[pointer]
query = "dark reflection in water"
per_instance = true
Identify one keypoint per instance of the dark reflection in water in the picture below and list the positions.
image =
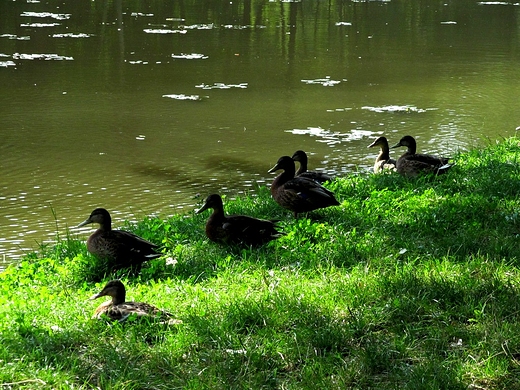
(144, 107)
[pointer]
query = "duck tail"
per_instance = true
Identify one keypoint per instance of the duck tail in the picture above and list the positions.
(444, 168)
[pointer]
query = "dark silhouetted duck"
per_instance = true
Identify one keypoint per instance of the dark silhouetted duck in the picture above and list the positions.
(120, 248)
(298, 194)
(236, 229)
(412, 163)
(302, 171)
(118, 309)
(383, 161)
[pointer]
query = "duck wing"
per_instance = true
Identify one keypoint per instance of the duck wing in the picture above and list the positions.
(310, 191)
(123, 311)
(250, 230)
(316, 176)
(427, 159)
(123, 249)
(385, 165)
(135, 245)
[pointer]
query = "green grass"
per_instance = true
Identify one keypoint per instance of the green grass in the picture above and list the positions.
(409, 284)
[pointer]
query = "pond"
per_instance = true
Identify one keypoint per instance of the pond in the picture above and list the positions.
(146, 107)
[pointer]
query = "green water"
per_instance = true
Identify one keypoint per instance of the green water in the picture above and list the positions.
(96, 108)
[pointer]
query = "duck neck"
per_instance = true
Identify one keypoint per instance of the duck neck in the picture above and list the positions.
(106, 225)
(384, 153)
(412, 148)
(217, 215)
(281, 179)
(119, 297)
(302, 168)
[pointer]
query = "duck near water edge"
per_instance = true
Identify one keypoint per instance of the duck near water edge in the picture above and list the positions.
(236, 229)
(412, 163)
(120, 248)
(298, 194)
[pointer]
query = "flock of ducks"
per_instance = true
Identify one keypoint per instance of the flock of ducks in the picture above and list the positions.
(299, 191)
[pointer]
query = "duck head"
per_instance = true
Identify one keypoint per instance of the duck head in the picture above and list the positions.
(115, 289)
(380, 141)
(100, 216)
(407, 141)
(286, 163)
(214, 201)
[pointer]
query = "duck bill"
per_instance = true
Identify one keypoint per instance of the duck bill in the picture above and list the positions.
(95, 296)
(273, 169)
(85, 222)
(372, 144)
(203, 208)
(396, 145)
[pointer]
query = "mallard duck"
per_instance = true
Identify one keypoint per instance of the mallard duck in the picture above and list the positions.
(298, 194)
(122, 249)
(412, 163)
(236, 229)
(118, 309)
(302, 171)
(383, 161)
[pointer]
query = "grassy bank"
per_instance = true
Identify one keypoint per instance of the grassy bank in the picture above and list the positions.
(409, 284)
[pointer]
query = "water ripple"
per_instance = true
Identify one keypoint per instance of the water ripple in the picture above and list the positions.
(40, 24)
(163, 31)
(12, 36)
(221, 86)
(396, 108)
(47, 57)
(46, 15)
(326, 82)
(192, 56)
(72, 35)
(184, 97)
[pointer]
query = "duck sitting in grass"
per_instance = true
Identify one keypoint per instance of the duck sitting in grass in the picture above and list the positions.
(412, 163)
(118, 309)
(302, 171)
(383, 161)
(120, 248)
(298, 194)
(236, 229)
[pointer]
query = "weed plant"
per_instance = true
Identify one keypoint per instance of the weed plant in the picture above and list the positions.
(409, 284)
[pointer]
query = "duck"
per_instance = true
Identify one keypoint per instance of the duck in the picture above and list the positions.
(302, 171)
(298, 194)
(383, 161)
(412, 163)
(117, 309)
(120, 248)
(236, 229)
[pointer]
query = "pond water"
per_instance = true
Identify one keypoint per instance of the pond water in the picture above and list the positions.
(145, 107)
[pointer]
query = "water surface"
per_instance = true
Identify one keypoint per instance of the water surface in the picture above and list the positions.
(145, 107)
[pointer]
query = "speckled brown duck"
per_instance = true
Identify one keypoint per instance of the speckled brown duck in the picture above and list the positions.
(412, 163)
(236, 229)
(117, 309)
(302, 171)
(383, 161)
(298, 194)
(120, 248)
